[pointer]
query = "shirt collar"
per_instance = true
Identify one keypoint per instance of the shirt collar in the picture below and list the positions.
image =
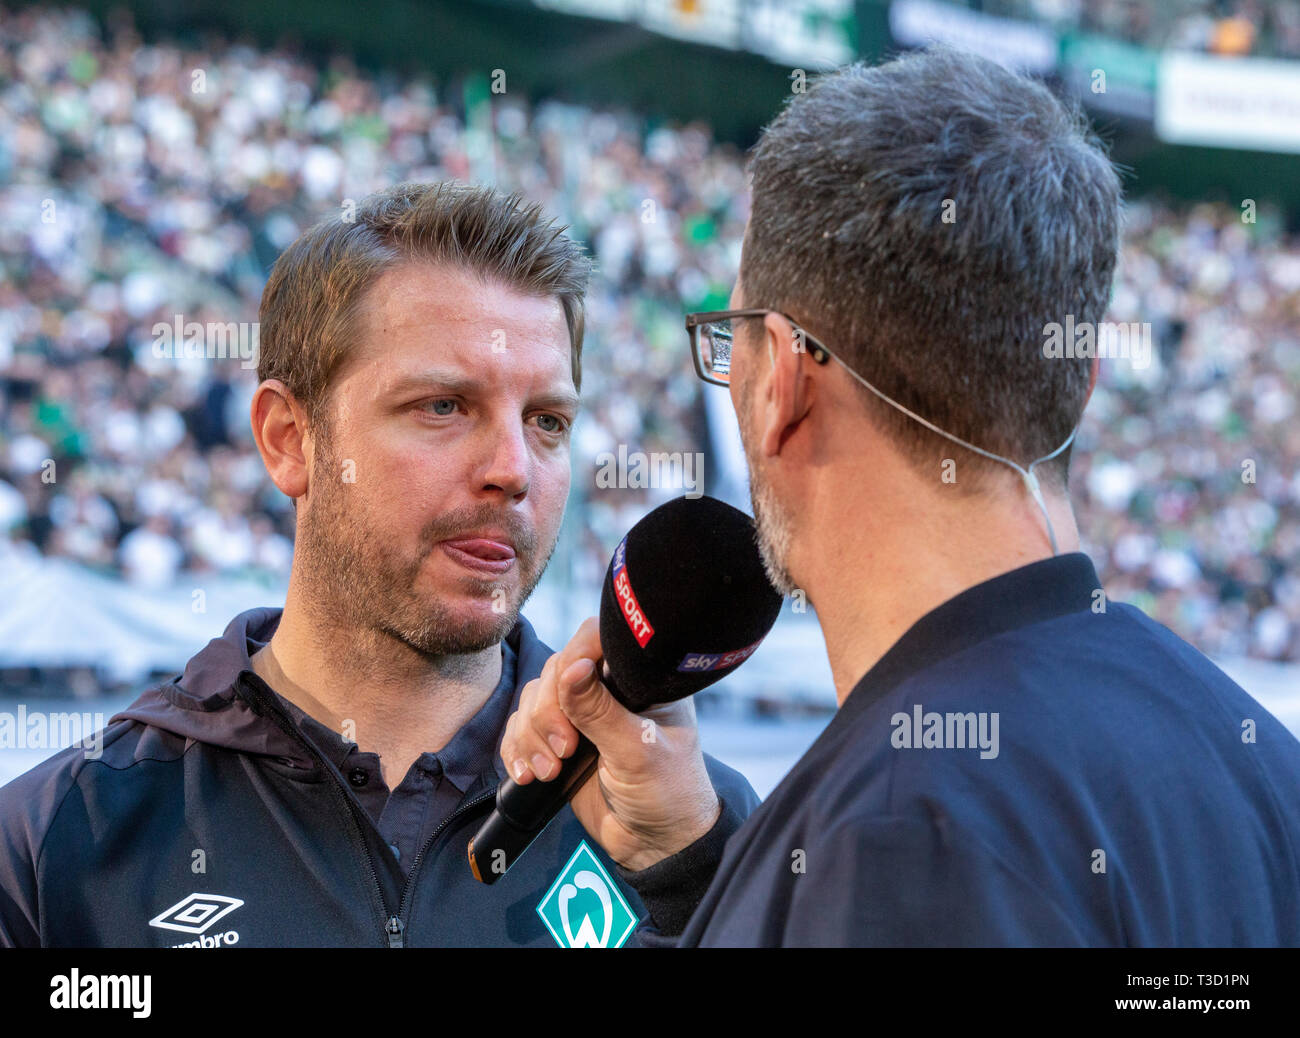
(471, 750)
(468, 754)
(1031, 594)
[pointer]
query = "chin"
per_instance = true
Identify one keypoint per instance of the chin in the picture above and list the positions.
(477, 608)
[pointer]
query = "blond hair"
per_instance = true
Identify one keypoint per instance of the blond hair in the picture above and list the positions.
(310, 306)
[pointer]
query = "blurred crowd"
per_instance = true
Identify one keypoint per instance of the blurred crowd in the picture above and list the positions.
(138, 182)
(1265, 28)
(1187, 473)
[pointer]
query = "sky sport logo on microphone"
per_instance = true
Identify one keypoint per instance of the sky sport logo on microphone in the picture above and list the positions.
(632, 613)
(697, 662)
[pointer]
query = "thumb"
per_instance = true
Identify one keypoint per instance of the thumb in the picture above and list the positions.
(590, 707)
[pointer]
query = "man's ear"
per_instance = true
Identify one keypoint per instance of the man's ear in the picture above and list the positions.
(1092, 378)
(280, 429)
(788, 389)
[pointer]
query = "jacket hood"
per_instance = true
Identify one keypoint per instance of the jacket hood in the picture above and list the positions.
(202, 703)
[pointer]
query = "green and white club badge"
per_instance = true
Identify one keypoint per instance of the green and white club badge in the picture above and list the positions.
(583, 893)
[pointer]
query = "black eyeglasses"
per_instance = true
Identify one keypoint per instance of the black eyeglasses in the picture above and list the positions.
(711, 337)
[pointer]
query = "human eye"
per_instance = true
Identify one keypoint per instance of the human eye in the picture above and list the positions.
(443, 406)
(552, 423)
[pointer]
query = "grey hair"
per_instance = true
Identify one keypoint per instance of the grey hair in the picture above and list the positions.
(847, 235)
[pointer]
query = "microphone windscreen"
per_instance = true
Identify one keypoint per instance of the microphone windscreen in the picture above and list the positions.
(686, 600)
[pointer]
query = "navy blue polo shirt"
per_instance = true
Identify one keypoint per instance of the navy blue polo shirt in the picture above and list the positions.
(435, 783)
(1029, 764)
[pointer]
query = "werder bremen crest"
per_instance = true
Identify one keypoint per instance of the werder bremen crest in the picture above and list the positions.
(584, 907)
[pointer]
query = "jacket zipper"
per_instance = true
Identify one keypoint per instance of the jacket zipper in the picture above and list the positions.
(289, 729)
(394, 927)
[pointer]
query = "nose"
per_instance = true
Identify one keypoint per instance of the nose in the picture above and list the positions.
(508, 460)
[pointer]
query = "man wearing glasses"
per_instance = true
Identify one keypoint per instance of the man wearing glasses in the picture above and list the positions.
(1015, 760)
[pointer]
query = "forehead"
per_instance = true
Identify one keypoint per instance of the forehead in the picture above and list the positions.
(418, 313)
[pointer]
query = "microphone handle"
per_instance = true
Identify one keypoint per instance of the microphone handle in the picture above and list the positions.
(522, 812)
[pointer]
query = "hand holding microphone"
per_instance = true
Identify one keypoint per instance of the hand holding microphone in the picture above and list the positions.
(653, 795)
(686, 600)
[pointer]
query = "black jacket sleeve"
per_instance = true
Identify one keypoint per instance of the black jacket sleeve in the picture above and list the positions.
(28, 806)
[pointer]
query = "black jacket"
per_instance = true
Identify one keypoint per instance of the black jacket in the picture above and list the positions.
(210, 820)
(1024, 768)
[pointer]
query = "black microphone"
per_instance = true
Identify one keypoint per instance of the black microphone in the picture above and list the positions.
(686, 601)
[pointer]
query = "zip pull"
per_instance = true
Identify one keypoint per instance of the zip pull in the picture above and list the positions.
(394, 930)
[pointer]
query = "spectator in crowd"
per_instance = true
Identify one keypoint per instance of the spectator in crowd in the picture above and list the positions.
(133, 190)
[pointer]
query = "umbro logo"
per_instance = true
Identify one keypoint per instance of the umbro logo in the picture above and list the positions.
(195, 914)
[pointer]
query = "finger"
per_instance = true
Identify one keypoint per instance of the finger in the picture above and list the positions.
(516, 764)
(516, 750)
(547, 726)
(528, 697)
(511, 736)
(585, 643)
(591, 708)
(543, 735)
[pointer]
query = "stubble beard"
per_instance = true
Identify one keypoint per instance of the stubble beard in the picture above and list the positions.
(356, 583)
(771, 522)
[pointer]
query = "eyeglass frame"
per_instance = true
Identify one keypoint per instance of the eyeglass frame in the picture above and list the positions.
(819, 352)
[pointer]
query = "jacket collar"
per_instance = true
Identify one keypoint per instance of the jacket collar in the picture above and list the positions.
(202, 705)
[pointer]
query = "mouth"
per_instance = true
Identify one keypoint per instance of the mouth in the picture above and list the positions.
(485, 553)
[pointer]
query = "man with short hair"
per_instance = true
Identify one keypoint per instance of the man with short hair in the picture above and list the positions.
(314, 776)
(1015, 759)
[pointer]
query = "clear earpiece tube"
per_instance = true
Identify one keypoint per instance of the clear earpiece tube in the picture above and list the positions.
(1030, 480)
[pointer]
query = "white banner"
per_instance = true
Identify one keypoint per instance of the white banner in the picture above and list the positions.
(1013, 44)
(58, 613)
(1229, 102)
